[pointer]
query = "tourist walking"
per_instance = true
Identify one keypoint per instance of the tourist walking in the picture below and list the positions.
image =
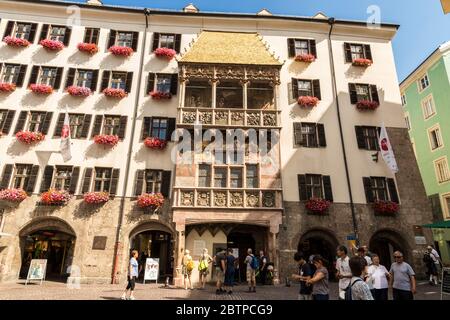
(305, 273)
(319, 281)
(220, 265)
(252, 265)
(133, 273)
(263, 261)
(377, 279)
(358, 288)
(188, 266)
(229, 272)
(344, 274)
(402, 280)
(363, 251)
(437, 261)
(429, 260)
(203, 267)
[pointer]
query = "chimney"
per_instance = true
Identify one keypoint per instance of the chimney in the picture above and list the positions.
(190, 8)
(94, 2)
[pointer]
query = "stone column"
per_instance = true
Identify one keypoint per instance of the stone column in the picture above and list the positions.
(244, 95)
(182, 92)
(273, 231)
(178, 277)
(214, 92)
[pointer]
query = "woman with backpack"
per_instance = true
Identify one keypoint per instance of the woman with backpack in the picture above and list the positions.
(188, 266)
(203, 267)
(319, 281)
(358, 289)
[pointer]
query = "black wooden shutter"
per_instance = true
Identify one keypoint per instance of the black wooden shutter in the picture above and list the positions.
(348, 52)
(150, 82)
(34, 75)
(302, 187)
(112, 38)
(67, 36)
(178, 42)
(86, 125)
(312, 48)
(146, 127)
(85, 186)
(47, 179)
(392, 190)
(353, 94)
(155, 41)
(114, 181)
(360, 137)
(32, 179)
(59, 125)
(45, 125)
(139, 184)
(291, 48)
(21, 121)
(58, 78)
(135, 41)
(436, 207)
(165, 184)
(170, 128)
(6, 177)
(174, 84)
(8, 121)
(294, 88)
(367, 52)
(368, 189)
(129, 82)
(321, 135)
(21, 77)
(32, 33)
(316, 89)
(94, 80)
(374, 93)
(97, 125)
(327, 190)
(122, 127)
(44, 32)
(74, 180)
(298, 134)
(70, 77)
(9, 28)
(105, 80)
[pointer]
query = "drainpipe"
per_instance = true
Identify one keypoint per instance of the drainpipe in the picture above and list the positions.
(331, 22)
(118, 248)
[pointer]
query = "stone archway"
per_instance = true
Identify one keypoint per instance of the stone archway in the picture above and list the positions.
(385, 241)
(52, 223)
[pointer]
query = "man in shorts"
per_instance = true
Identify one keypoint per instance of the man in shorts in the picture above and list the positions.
(251, 277)
(220, 271)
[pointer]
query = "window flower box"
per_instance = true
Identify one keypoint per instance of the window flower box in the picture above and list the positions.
(96, 197)
(106, 140)
(165, 53)
(29, 137)
(55, 197)
(317, 206)
(367, 105)
(158, 95)
(90, 48)
(121, 51)
(305, 58)
(115, 93)
(52, 45)
(16, 42)
(386, 207)
(79, 91)
(13, 195)
(307, 101)
(150, 200)
(361, 62)
(7, 87)
(155, 143)
(41, 89)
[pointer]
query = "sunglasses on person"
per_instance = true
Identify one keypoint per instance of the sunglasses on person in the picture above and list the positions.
(398, 257)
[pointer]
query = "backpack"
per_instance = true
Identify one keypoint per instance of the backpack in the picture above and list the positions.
(427, 258)
(255, 263)
(348, 290)
(190, 265)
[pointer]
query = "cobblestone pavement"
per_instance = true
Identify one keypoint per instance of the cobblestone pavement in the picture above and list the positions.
(59, 291)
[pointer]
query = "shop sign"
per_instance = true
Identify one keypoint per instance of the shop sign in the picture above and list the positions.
(151, 269)
(37, 270)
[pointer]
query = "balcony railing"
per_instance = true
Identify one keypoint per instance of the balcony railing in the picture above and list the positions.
(228, 198)
(229, 117)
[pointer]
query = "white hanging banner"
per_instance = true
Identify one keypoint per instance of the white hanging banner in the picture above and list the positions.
(386, 150)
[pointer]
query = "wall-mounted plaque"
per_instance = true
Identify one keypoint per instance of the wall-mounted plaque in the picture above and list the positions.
(99, 243)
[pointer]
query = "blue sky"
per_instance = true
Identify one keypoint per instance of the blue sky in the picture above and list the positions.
(423, 24)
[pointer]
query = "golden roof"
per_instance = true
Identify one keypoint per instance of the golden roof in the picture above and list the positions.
(229, 48)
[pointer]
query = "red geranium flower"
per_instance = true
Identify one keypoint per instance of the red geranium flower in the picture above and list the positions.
(121, 51)
(7, 87)
(115, 93)
(150, 200)
(16, 42)
(158, 95)
(96, 197)
(108, 140)
(361, 62)
(305, 58)
(165, 53)
(52, 45)
(90, 48)
(316, 205)
(13, 195)
(386, 207)
(41, 88)
(367, 105)
(54, 196)
(29, 137)
(79, 91)
(155, 143)
(307, 101)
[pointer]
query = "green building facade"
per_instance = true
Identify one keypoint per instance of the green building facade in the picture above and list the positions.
(426, 102)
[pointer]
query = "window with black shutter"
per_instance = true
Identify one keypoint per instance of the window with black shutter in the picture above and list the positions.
(314, 186)
(122, 127)
(56, 33)
(85, 78)
(6, 119)
(310, 135)
(62, 178)
(98, 121)
(50, 76)
(303, 87)
(6, 176)
(12, 73)
(367, 137)
(47, 178)
(87, 180)
(363, 92)
(298, 47)
(21, 30)
(102, 179)
(34, 121)
(117, 80)
(380, 189)
(74, 180)
(157, 128)
(114, 182)
(166, 40)
(124, 39)
(153, 181)
(139, 182)
(355, 51)
(91, 35)
(23, 177)
(112, 125)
